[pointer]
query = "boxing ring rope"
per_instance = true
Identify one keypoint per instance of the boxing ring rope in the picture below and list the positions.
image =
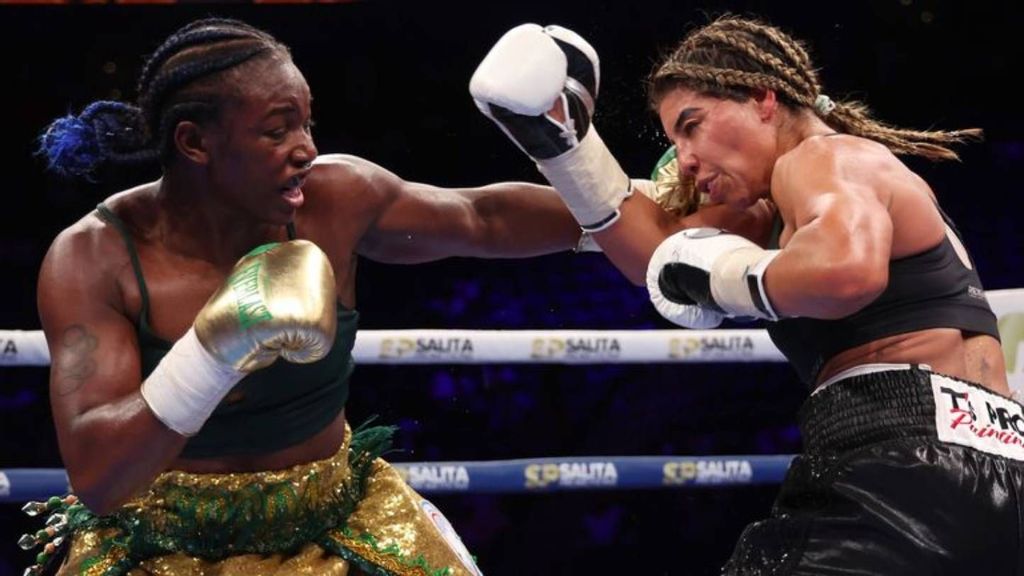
(528, 475)
(28, 348)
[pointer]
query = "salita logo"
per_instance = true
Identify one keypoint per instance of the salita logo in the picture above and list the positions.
(576, 474)
(575, 348)
(426, 347)
(437, 477)
(707, 472)
(710, 346)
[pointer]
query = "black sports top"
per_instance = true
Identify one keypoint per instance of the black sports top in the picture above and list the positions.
(931, 289)
(276, 407)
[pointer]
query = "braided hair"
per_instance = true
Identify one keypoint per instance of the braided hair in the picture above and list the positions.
(733, 57)
(182, 80)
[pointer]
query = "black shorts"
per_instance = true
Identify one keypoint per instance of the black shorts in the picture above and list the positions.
(904, 472)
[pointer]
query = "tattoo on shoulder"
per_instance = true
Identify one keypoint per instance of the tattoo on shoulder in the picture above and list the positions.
(75, 363)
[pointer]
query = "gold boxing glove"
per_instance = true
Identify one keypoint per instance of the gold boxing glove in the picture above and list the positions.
(678, 196)
(278, 301)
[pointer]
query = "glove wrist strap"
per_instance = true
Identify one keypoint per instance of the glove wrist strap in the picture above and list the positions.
(590, 181)
(737, 283)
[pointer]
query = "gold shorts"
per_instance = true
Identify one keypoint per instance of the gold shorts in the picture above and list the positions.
(348, 514)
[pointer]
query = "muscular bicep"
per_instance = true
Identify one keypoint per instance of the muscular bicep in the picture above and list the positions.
(414, 222)
(838, 221)
(419, 223)
(835, 259)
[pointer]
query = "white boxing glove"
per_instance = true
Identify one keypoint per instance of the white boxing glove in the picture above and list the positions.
(519, 81)
(715, 272)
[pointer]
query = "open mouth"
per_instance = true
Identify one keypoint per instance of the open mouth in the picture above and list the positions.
(292, 192)
(704, 186)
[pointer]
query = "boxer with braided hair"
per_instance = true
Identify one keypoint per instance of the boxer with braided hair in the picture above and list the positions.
(913, 463)
(201, 325)
(914, 457)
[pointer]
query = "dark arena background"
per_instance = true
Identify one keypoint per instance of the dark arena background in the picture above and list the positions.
(389, 81)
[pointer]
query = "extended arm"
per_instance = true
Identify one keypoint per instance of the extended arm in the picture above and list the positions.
(411, 222)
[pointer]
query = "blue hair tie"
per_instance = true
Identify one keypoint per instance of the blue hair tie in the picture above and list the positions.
(71, 146)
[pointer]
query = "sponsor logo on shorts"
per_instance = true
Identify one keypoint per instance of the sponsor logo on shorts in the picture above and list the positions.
(711, 347)
(433, 348)
(707, 472)
(970, 416)
(574, 474)
(450, 536)
(435, 477)
(575, 348)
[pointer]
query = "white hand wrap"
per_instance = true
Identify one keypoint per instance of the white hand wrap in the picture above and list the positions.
(646, 187)
(187, 385)
(590, 181)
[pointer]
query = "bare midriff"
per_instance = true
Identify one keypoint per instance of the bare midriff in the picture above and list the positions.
(974, 357)
(322, 445)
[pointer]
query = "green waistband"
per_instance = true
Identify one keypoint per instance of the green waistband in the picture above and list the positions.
(212, 516)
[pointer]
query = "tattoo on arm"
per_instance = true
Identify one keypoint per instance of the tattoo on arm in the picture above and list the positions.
(75, 363)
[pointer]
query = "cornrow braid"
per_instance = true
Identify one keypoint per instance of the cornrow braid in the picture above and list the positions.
(168, 97)
(733, 57)
(200, 32)
(182, 80)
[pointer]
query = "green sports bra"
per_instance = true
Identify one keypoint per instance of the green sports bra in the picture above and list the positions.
(270, 409)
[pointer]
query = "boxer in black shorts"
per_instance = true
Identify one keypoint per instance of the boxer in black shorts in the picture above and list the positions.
(914, 456)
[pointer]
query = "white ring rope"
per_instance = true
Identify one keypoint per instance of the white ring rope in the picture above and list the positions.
(28, 348)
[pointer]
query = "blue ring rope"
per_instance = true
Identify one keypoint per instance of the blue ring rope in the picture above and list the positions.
(528, 475)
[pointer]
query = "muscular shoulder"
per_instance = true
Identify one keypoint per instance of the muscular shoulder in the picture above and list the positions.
(835, 165)
(355, 179)
(84, 261)
(90, 244)
(92, 251)
(840, 156)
